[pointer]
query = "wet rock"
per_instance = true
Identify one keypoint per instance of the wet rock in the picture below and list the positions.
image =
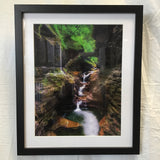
(41, 71)
(78, 64)
(104, 93)
(93, 91)
(111, 123)
(63, 122)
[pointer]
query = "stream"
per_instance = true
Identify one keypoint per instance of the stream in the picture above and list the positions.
(90, 123)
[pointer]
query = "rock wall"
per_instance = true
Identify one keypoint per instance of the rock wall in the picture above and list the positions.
(108, 45)
(111, 123)
(49, 96)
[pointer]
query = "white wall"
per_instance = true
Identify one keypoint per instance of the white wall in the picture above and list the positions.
(150, 109)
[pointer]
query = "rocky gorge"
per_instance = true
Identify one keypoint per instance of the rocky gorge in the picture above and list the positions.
(101, 96)
(78, 89)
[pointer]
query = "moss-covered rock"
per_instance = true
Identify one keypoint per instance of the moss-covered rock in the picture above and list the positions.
(79, 63)
(53, 87)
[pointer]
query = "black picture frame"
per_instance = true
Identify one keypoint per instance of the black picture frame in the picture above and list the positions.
(20, 10)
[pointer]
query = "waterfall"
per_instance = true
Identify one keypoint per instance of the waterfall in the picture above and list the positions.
(78, 104)
(90, 123)
(86, 75)
(80, 92)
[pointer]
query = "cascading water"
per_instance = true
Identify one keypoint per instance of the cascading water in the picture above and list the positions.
(80, 92)
(78, 104)
(86, 75)
(90, 123)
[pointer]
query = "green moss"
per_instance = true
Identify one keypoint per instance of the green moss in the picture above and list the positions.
(45, 82)
(65, 70)
(57, 80)
(74, 117)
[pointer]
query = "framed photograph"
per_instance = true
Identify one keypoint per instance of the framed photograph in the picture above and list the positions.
(78, 74)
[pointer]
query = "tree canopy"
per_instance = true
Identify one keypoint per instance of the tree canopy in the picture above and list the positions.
(75, 37)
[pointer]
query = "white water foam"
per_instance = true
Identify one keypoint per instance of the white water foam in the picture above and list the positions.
(78, 104)
(80, 92)
(86, 75)
(90, 123)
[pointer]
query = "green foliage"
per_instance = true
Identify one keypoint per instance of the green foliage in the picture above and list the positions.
(92, 60)
(75, 37)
